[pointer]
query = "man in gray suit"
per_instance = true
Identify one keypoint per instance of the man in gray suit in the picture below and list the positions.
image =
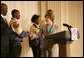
(4, 32)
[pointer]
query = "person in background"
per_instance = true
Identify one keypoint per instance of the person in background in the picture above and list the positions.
(5, 32)
(36, 41)
(17, 35)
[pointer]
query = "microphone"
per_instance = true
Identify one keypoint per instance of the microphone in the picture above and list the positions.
(69, 26)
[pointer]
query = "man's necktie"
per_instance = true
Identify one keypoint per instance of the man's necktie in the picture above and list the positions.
(5, 20)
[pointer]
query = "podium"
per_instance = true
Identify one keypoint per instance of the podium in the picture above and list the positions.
(64, 40)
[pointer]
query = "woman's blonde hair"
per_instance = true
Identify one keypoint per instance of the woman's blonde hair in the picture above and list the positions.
(50, 16)
(50, 11)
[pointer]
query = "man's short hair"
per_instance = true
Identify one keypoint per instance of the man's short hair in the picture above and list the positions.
(14, 11)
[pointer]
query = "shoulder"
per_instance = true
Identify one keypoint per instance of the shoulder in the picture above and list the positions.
(11, 21)
(1, 19)
(32, 27)
(56, 27)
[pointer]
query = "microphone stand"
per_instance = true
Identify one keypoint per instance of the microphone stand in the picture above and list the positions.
(69, 28)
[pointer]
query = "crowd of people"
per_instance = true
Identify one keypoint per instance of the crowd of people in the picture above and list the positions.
(12, 34)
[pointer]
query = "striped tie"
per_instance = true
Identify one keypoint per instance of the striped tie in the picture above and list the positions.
(5, 20)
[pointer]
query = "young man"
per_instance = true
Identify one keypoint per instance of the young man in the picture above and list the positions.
(17, 35)
(36, 41)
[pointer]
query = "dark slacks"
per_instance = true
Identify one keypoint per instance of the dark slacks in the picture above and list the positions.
(36, 51)
(36, 48)
(15, 50)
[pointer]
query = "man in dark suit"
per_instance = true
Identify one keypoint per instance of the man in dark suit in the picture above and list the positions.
(4, 32)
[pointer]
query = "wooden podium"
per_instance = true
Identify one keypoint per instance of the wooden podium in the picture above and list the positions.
(64, 40)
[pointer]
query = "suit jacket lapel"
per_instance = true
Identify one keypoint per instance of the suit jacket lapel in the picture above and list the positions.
(2, 20)
(46, 28)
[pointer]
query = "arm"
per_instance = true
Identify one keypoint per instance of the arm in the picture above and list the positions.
(32, 32)
(13, 24)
